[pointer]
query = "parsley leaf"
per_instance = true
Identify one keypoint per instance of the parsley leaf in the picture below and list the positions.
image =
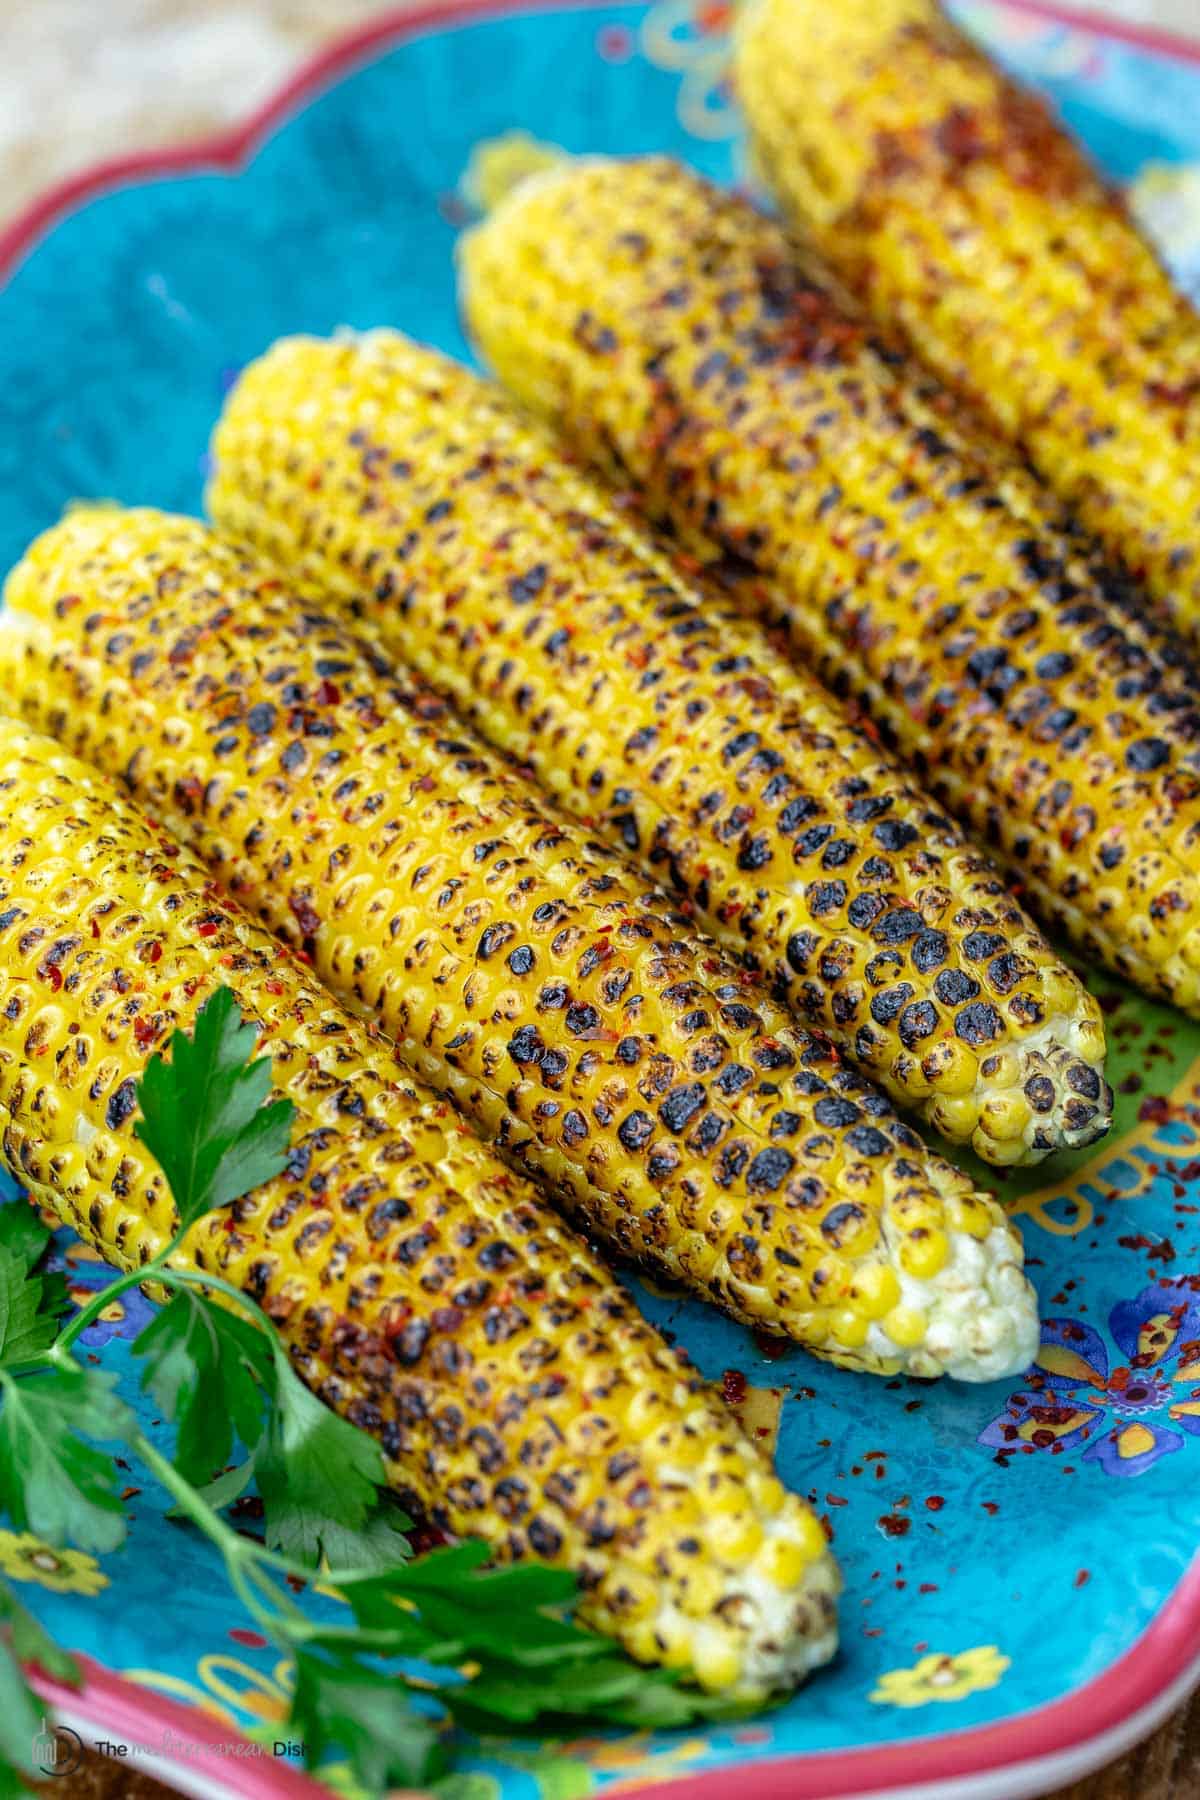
(342, 1705)
(26, 1327)
(22, 1232)
(204, 1114)
(32, 1643)
(318, 1476)
(207, 1369)
(51, 1481)
(22, 1714)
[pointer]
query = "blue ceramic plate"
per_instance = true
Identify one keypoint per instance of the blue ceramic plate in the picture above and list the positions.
(1018, 1597)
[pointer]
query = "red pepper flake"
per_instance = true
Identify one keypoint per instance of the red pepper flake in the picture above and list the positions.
(327, 693)
(207, 929)
(250, 1640)
(1082, 1578)
(836, 1500)
(733, 1387)
(144, 1033)
(129, 1492)
(934, 1502)
(928, 1587)
(1154, 1110)
(990, 1507)
(894, 1525)
(872, 1630)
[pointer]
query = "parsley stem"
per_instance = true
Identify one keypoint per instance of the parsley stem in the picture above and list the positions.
(99, 1300)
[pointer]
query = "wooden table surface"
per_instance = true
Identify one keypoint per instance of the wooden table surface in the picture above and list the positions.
(79, 82)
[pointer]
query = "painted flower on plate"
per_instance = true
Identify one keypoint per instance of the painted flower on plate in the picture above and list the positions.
(941, 1677)
(1128, 1409)
(27, 1558)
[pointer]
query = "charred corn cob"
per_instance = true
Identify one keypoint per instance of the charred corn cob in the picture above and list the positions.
(579, 1022)
(422, 1289)
(410, 489)
(959, 209)
(669, 328)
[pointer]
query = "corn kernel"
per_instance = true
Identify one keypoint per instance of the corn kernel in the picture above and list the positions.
(924, 1256)
(716, 1663)
(876, 1289)
(906, 1326)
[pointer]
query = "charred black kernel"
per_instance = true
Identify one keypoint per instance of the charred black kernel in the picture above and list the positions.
(867, 1140)
(812, 839)
(9, 916)
(983, 664)
(860, 812)
(785, 1123)
(121, 1103)
(636, 1131)
(733, 1079)
(497, 1256)
(526, 587)
(292, 757)
(845, 1005)
(553, 1063)
(738, 746)
(526, 1046)
(773, 1056)
(581, 1018)
(1084, 1080)
(978, 944)
(739, 1017)
(755, 853)
(917, 1021)
(890, 1002)
(895, 834)
(826, 897)
(544, 1540)
(953, 986)
(877, 868)
(1147, 753)
(838, 853)
(769, 1168)
(408, 1345)
(979, 1023)
(897, 926)
(574, 1127)
(552, 996)
(708, 1132)
(1005, 971)
(520, 960)
(834, 1113)
(800, 947)
(796, 812)
(493, 939)
(1053, 666)
(864, 909)
(841, 1221)
(929, 951)
(1111, 855)
(883, 966)
(681, 1106)
(628, 1050)
(261, 718)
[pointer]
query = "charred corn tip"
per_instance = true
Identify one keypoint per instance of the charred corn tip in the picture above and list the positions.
(693, 1553)
(870, 1249)
(1043, 1093)
(500, 164)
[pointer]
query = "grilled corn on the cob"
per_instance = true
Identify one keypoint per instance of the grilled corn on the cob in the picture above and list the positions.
(668, 1100)
(410, 488)
(422, 1289)
(960, 210)
(669, 328)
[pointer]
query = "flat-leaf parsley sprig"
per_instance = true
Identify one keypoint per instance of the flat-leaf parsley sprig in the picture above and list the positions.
(497, 1647)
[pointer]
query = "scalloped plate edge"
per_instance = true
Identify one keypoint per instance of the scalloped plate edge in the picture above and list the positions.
(1016, 1760)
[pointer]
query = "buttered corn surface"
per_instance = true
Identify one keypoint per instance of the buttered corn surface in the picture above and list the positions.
(422, 1289)
(385, 475)
(516, 962)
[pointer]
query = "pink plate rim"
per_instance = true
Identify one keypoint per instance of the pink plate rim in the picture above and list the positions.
(1116, 1705)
